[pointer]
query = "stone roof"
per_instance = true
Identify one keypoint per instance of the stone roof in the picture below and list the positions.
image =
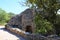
(16, 20)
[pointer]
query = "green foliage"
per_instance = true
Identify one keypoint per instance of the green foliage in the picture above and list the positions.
(58, 19)
(50, 8)
(4, 17)
(42, 25)
(57, 24)
(11, 14)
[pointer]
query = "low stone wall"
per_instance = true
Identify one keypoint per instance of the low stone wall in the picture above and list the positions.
(40, 37)
(32, 36)
(16, 30)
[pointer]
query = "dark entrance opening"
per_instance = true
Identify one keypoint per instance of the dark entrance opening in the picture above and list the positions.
(29, 29)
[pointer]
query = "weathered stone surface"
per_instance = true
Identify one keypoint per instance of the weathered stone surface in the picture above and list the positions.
(23, 20)
(38, 37)
(33, 36)
(18, 24)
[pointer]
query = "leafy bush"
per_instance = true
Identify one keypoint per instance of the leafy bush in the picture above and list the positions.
(42, 25)
(5, 17)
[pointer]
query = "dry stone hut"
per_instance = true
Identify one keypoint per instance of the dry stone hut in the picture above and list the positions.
(23, 21)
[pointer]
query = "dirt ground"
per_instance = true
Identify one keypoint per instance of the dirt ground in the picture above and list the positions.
(6, 35)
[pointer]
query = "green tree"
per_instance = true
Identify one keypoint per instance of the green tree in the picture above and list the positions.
(49, 7)
(11, 14)
(42, 25)
(4, 16)
(57, 24)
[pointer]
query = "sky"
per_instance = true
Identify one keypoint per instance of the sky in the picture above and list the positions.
(14, 6)
(58, 11)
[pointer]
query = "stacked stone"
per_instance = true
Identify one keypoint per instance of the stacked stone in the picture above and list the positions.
(33, 36)
(19, 20)
(40, 37)
(16, 20)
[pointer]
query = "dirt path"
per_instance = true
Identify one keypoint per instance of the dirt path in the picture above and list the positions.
(6, 35)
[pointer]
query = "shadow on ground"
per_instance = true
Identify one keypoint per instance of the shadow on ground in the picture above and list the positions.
(20, 37)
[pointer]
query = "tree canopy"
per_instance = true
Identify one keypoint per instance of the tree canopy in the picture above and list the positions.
(48, 7)
(4, 16)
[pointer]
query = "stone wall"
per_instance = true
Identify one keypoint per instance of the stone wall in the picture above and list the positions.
(23, 20)
(32, 36)
(40, 37)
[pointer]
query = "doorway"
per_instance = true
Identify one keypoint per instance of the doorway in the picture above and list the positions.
(29, 29)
